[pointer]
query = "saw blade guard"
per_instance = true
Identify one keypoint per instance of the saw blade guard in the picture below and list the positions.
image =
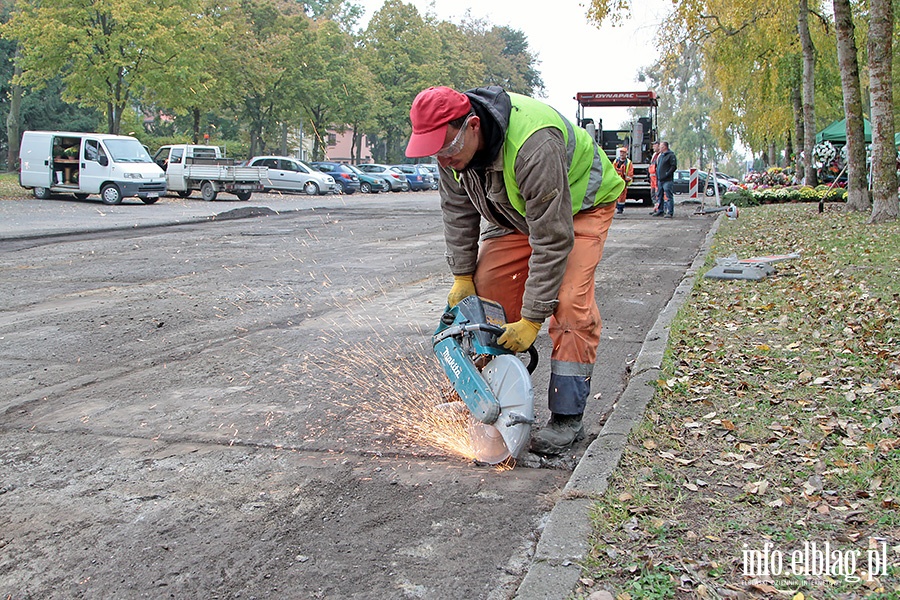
(510, 382)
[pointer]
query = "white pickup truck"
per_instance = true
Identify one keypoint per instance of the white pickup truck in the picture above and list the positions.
(189, 167)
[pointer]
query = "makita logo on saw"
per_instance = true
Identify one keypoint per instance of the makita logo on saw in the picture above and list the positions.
(451, 363)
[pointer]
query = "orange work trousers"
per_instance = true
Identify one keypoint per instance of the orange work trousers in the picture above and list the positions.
(575, 325)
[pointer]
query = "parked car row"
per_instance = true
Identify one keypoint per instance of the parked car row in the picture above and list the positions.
(117, 167)
(327, 177)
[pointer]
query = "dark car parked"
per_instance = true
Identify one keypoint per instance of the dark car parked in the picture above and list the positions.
(343, 175)
(419, 177)
(371, 183)
(683, 183)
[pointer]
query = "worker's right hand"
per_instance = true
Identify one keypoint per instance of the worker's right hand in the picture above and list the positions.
(463, 287)
(519, 336)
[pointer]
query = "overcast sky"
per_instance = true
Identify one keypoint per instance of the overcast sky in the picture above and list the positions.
(574, 56)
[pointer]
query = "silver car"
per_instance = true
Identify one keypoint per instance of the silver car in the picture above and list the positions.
(395, 178)
(288, 174)
(435, 172)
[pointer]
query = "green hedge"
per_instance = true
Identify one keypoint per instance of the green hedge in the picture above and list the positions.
(784, 195)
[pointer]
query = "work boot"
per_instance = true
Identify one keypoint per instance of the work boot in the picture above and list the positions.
(559, 434)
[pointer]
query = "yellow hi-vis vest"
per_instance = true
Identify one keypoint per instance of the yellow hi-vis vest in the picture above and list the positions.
(592, 178)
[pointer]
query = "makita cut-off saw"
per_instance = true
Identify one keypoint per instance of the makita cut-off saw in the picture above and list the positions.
(492, 382)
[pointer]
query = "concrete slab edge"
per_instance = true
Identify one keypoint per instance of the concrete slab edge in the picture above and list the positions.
(565, 540)
(246, 212)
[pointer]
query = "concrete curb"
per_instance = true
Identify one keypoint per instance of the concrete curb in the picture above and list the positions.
(565, 540)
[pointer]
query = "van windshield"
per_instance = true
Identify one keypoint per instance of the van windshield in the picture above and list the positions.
(127, 151)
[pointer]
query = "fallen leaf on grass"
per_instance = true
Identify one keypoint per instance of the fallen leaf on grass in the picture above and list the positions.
(887, 445)
(757, 488)
(765, 588)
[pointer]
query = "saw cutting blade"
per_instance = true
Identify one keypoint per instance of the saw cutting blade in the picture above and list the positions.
(487, 443)
(510, 383)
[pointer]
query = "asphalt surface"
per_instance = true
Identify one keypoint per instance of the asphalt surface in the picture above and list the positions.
(647, 272)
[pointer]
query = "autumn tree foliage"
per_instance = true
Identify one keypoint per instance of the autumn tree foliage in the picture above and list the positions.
(781, 70)
(271, 66)
(107, 52)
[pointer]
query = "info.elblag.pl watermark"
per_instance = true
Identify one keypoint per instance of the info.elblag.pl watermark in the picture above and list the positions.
(817, 560)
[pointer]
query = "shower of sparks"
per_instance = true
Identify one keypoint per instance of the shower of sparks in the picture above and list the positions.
(387, 387)
(398, 392)
(391, 385)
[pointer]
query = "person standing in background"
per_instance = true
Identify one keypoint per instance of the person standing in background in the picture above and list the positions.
(625, 169)
(654, 182)
(666, 166)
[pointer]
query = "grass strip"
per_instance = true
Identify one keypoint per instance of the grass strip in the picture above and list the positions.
(768, 462)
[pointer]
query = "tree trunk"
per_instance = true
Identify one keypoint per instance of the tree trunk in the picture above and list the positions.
(195, 129)
(797, 103)
(110, 117)
(885, 205)
(253, 138)
(14, 122)
(788, 150)
(809, 92)
(857, 190)
(773, 154)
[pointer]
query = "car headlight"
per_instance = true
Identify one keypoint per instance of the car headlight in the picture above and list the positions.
(132, 176)
(329, 179)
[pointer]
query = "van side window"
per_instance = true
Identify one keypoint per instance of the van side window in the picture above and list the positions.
(93, 151)
(175, 158)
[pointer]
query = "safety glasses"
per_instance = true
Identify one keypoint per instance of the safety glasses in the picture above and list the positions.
(457, 144)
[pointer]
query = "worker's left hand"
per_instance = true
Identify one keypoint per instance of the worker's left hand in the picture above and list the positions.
(519, 336)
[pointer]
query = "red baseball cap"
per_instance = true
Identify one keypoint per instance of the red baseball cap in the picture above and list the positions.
(431, 111)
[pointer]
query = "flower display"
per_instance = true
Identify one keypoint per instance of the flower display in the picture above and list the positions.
(771, 177)
(823, 154)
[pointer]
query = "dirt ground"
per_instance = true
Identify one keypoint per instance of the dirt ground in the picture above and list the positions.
(211, 410)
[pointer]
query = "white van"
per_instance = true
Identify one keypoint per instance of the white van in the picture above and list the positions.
(114, 166)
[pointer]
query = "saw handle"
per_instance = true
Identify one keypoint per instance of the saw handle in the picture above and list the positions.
(461, 329)
(532, 351)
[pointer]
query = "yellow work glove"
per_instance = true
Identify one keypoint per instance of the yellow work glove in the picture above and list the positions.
(519, 336)
(463, 287)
